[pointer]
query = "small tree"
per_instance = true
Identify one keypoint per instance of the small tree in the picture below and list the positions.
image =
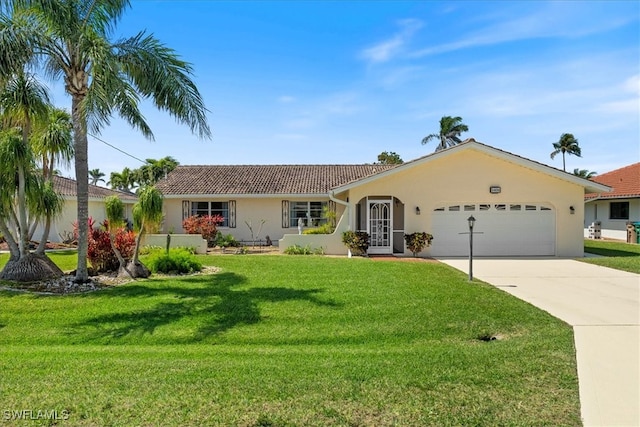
(205, 225)
(416, 242)
(147, 214)
(389, 158)
(255, 236)
(115, 217)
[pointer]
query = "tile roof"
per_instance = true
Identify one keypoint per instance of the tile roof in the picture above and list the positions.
(67, 187)
(263, 179)
(624, 181)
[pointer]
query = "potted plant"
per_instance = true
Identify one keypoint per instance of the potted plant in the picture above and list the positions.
(416, 242)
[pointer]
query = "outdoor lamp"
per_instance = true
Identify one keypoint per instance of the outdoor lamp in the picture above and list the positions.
(417, 210)
(472, 221)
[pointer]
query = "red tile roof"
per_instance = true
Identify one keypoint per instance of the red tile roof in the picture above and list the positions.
(67, 187)
(624, 181)
(263, 179)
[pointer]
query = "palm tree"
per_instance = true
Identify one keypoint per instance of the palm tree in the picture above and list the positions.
(102, 76)
(96, 176)
(567, 144)
(584, 173)
(115, 215)
(147, 214)
(123, 181)
(450, 130)
(23, 100)
(53, 141)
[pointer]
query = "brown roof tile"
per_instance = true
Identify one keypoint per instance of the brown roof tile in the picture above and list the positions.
(624, 181)
(263, 179)
(67, 187)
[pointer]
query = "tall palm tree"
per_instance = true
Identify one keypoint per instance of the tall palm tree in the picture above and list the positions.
(22, 100)
(567, 144)
(96, 176)
(450, 130)
(584, 173)
(101, 75)
(53, 141)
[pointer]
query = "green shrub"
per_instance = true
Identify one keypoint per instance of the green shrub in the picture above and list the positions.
(147, 249)
(177, 261)
(323, 229)
(356, 241)
(417, 241)
(303, 250)
(226, 241)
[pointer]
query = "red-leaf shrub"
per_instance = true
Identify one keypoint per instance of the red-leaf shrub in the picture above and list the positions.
(205, 225)
(99, 252)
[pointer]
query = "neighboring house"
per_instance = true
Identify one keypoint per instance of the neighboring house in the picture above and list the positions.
(62, 226)
(522, 208)
(615, 209)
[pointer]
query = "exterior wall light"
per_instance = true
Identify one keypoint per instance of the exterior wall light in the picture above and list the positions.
(417, 210)
(572, 210)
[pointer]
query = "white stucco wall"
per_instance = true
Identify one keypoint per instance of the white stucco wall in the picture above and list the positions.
(251, 210)
(64, 222)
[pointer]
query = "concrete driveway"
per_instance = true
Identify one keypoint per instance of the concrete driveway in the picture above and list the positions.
(603, 306)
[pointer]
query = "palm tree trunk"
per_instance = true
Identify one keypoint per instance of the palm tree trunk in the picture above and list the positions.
(14, 249)
(45, 236)
(82, 186)
(564, 166)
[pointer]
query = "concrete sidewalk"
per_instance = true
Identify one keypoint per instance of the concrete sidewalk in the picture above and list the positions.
(603, 306)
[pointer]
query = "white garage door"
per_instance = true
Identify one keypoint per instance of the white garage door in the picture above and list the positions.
(512, 229)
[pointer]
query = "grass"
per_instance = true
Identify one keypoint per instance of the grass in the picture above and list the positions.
(279, 340)
(618, 255)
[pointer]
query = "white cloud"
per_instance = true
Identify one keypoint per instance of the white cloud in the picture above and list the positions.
(387, 49)
(556, 19)
(286, 99)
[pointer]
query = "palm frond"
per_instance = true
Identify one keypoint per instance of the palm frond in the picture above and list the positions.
(159, 74)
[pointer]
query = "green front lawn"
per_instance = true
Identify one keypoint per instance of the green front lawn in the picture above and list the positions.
(618, 255)
(284, 340)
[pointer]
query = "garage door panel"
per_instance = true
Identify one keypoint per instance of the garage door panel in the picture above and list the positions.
(499, 232)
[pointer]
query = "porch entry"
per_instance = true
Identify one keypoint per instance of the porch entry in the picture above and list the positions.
(379, 227)
(384, 221)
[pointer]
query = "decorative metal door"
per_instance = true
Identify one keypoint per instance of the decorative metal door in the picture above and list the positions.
(380, 227)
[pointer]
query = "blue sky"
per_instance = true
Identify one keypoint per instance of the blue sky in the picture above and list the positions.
(340, 82)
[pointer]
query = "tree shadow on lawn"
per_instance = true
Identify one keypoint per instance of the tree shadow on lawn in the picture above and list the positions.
(215, 305)
(612, 252)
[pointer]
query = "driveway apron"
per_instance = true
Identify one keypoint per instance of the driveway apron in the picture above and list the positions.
(602, 305)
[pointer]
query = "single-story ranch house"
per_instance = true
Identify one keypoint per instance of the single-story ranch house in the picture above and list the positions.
(616, 208)
(62, 226)
(522, 207)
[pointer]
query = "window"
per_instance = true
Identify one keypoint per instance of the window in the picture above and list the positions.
(309, 212)
(619, 210)
(212, 208)
(469, 208)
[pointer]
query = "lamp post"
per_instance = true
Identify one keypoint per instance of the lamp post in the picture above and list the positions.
(471, 221)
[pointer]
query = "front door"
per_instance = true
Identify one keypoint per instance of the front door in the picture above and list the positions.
(379, 224)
